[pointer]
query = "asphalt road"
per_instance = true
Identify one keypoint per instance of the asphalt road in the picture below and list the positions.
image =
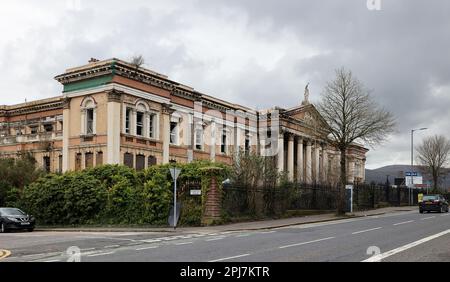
(406, 236)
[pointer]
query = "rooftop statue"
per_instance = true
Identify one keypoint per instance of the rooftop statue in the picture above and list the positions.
(306, 98)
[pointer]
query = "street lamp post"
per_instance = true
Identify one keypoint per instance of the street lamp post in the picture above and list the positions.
(412, 163)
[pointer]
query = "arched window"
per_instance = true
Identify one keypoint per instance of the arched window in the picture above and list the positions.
(141, 110)
(88, 116)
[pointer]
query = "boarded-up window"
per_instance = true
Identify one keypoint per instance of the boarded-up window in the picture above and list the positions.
(88, 160)
(99, 160)
(47, 163)
(140, 162)
(151, 160)
(60, 159)
(78, 161)
(128, 160)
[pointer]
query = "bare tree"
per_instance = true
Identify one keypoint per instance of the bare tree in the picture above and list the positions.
(352, 116)
(433, 154)
(137, 61)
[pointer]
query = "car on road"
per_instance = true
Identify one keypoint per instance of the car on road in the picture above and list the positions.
(15, 219)
(433, 203)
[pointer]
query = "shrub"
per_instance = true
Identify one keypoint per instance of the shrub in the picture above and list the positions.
(110, 194)
(84, 198)
(45, 199)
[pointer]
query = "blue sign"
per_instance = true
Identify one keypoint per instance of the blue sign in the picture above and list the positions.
(409, 173)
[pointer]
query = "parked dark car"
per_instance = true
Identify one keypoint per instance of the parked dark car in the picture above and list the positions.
(433, 203)
(15, 219)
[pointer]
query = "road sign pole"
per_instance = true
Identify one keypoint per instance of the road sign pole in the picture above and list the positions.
(175, 205)
(174, 172)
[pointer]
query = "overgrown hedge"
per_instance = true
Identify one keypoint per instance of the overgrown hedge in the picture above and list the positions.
(110, 194)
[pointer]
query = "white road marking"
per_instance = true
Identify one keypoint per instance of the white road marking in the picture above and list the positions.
(183, 243)
(88, 249)
(367, 230)
(215, 239)
(111, 246)
(382, 256)
(146, 248)
(222, 259)
(199, 235)
(304, 243)
(445, 214)
(54, 260)
(267, 232)
(101, 254)
(428, 217)
(151, 241)
(244, 235)
(404, 222)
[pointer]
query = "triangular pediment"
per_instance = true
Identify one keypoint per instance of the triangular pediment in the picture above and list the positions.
(307, 114)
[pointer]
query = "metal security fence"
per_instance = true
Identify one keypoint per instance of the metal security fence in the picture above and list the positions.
(238, 201)
(241, 201)
(375, 196)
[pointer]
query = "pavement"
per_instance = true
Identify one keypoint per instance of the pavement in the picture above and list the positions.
(252, 225)
(389, 234)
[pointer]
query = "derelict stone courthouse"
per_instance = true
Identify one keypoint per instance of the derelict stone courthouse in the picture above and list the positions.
(113, 112)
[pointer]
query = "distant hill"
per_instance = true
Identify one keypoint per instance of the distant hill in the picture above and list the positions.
(379, 175)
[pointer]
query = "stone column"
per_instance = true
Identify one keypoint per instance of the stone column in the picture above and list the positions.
(133, 121)
(324, 164)
(300, 160)
(113, 127)
(237, 140)
(290, 158)
(317, 163)
(308, 174)
(83, 122)
(212, 148)
(66, 135)
(280, 154)
(190, 137)
(166, 111)
(350, 171)
(363, 170)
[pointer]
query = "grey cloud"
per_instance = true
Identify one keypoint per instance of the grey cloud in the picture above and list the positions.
(400, 52)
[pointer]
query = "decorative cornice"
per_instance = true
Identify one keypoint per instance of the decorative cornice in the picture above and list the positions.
(190, 95)
(167, 109)
(115, 95)
(35, 108)
(66, 103)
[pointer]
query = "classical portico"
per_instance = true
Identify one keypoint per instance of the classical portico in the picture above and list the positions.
(305, 154)
(302, 158)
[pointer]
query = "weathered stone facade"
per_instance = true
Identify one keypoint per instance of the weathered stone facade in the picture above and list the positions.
(113, 112)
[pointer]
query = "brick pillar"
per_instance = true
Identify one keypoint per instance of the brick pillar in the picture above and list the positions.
(213, 198)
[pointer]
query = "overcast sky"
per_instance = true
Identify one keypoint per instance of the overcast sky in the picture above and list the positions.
(258, 53)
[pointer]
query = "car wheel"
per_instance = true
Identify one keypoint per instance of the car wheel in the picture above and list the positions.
(30, 229)
(421, 211)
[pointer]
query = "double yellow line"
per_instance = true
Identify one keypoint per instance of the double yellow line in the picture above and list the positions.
(4, 254)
